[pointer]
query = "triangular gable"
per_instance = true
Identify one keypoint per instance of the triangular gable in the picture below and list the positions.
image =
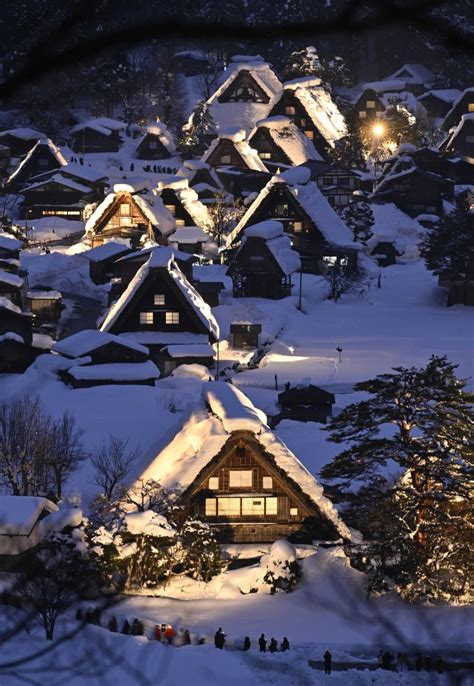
(244, 87)
(110, 207)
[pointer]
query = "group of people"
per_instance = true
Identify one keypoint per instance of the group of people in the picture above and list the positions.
(401, 663)
(219, 642)
(156, 169)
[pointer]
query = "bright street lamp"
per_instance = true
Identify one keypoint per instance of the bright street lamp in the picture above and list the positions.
(378, 130)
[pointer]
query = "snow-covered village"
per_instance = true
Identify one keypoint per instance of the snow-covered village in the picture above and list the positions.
(236, 342)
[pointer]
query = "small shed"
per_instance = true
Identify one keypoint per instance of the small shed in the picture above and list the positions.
(384, 253)
(189, 239)
(305, 403)
(156, 143)
(102, 260)
(45, 305)
(97, 135)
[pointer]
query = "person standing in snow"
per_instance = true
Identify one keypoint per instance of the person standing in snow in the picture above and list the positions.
(157, 632)
(418, 662)
(186, 637)
(163, 630)
(246, 643)
(285, 644)
(327, 662)
(136, 628)
(132, 167)
(112, 624)
(170, 633)
(273, 646)
(219, 638)
(380, 659)
(262, 642)
(126, 627)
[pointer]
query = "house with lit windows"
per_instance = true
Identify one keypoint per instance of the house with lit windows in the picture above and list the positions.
(181, 202)
(161, 309)
(44, 156)
(460, 141)
(126, 213)
(377, 96)
(311, 108)
(246, 89)
(317, 232)
(280, 143)
(232, 149)
(464, 104)
(232, 471)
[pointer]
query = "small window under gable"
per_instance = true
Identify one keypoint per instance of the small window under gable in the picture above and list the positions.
(293, 511)
(370, 104)
(159, 299)
(362, 114)
(225, 159)
(180, 222)
(265, 155)
(267, 482)
(171, 209)
(146, 317)
(241, 478)
(309, 134)
(211, 507)
(290, 111)
(152, 145)
(124, 209)
(214, 483)
(470, 107)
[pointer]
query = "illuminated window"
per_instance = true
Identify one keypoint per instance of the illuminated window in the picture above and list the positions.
(271, 506)
(370, 104)
(330, 259)
(267, 482)
(293, 511)
(171, 209)
(265, 155)
(362, 114)
(240, 478)
(125, 209)
(159, 299)
(225, 159)
(378, 113)
(470, 107)
(303, 122)
(290, 111)
(214, 483)
(152, 145)
(309, 134)
(172, 318)
(211, 507)
(297, 226)
(125, 221)
(146, 317)
(180, 222)
(228, 507)
(253, 506)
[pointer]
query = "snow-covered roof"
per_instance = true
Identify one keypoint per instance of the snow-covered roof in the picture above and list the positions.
(277, 242)
(24, 133)
(165, 337)
(60, 179)
(189, 234)
(11, 279)
(43, 142)
(444, 94)
(414, 74)
(115, 371)
(243, 114)
(466, 118)
(192, 350)
(313, 202)
(103, 125)
(225, 410)
(44, 295)
(160, 130)
(458, 101)
(104, 251)
(8, 305)
(19, 513)
(8, 242)
(287, 136)
(188, 198)
(84, 342)
(163, 258)
(385, 86)
(320, 107)
(238, 138)
(190, 167)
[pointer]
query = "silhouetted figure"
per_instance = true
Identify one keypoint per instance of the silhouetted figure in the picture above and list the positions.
(96, 616)
(157, 632)
(132, 167)
(262, 643)
(273, 646)
(387, 660)
(112, 624)
(428, 663)
(89, 616)
(219, 638)
(327, 662)
(186, 637)
(246, 643)
(380, 659)
(81, 161)
(137, 628)
(440, 665)
(79, 614)
(418, 662)
(285, 644)
(126, 627)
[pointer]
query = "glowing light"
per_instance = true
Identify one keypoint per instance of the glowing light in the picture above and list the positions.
(378, 130)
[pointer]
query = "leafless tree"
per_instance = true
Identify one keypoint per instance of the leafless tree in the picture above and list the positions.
(48, 599)
(67, 451)
(207, 82)
(223, 217)
(112, 462)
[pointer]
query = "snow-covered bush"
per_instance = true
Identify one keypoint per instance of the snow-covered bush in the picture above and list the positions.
(201, 554)
(359, 218)
(282, 570)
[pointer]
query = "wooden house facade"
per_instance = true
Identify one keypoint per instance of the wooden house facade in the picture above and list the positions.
(102, 260)
(305, 404)
(244, 482)
(45, 305)
(123, 214)
(415, 191)
(97, 135)
(233, 151)
(368, 106)
(336, 183)
(55, 196)
(155, 144)
(437, 103)
(20, 141)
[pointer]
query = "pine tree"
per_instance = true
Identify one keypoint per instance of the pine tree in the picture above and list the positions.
(449, 243)
(303, 62)
(197, 131)
(359, 218)
(407, 476)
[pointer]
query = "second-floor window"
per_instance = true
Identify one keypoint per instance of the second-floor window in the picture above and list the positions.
(290, 111)
(172, 317)
(159, 299)
(241, 478)
(225, 159)
(146, 317)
